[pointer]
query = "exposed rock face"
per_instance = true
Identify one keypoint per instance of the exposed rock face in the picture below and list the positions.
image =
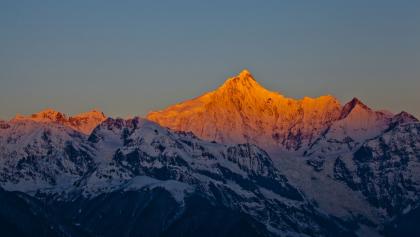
(386, 169)
(36, 155)
(241, 110)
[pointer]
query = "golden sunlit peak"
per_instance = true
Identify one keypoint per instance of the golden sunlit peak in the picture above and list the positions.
(242, 82)
(244, 77)
(245, 74)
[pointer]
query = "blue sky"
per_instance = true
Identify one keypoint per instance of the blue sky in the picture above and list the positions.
(130, 57)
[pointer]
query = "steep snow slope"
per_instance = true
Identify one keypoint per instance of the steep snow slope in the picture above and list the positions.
(386, 169)
(366, 173)
(356, 124)
(329, 194)
(241, 110)
(38, 155)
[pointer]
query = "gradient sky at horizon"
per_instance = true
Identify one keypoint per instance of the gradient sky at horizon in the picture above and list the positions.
(130, 57)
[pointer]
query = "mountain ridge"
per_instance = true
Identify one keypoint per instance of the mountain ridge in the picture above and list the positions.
(241, 110)
(279, 166)
(83, 122)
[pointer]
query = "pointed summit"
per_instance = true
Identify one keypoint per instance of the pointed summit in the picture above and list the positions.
(245, 74)
(404, 117)
(356, 101)
(350, 106)
(243, 82)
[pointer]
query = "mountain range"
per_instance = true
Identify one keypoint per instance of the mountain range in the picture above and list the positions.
(237, 161)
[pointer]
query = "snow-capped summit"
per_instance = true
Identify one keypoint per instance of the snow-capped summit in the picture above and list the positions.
(241, 110)
(355, 103)
(356, 123)
(245, 73)
(359, 122)
(83, 122)
(244, 81)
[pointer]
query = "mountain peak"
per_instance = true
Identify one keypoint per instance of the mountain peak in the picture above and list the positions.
(242, 82)
(350, 106)
(356, 101)
(241, 111)
(245, 74)
(404, 117)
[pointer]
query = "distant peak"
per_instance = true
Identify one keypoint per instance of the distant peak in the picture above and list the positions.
(355, 102)
(404, 117)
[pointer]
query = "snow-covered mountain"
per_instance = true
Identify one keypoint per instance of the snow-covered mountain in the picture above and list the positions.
(316, 145)
(140, 160)
(356, 124)
(241, 110)
(386, 169)
(372, 181)
(237, 161)
(36, 155)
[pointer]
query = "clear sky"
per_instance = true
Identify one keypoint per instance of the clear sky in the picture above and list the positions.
(129, 57)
